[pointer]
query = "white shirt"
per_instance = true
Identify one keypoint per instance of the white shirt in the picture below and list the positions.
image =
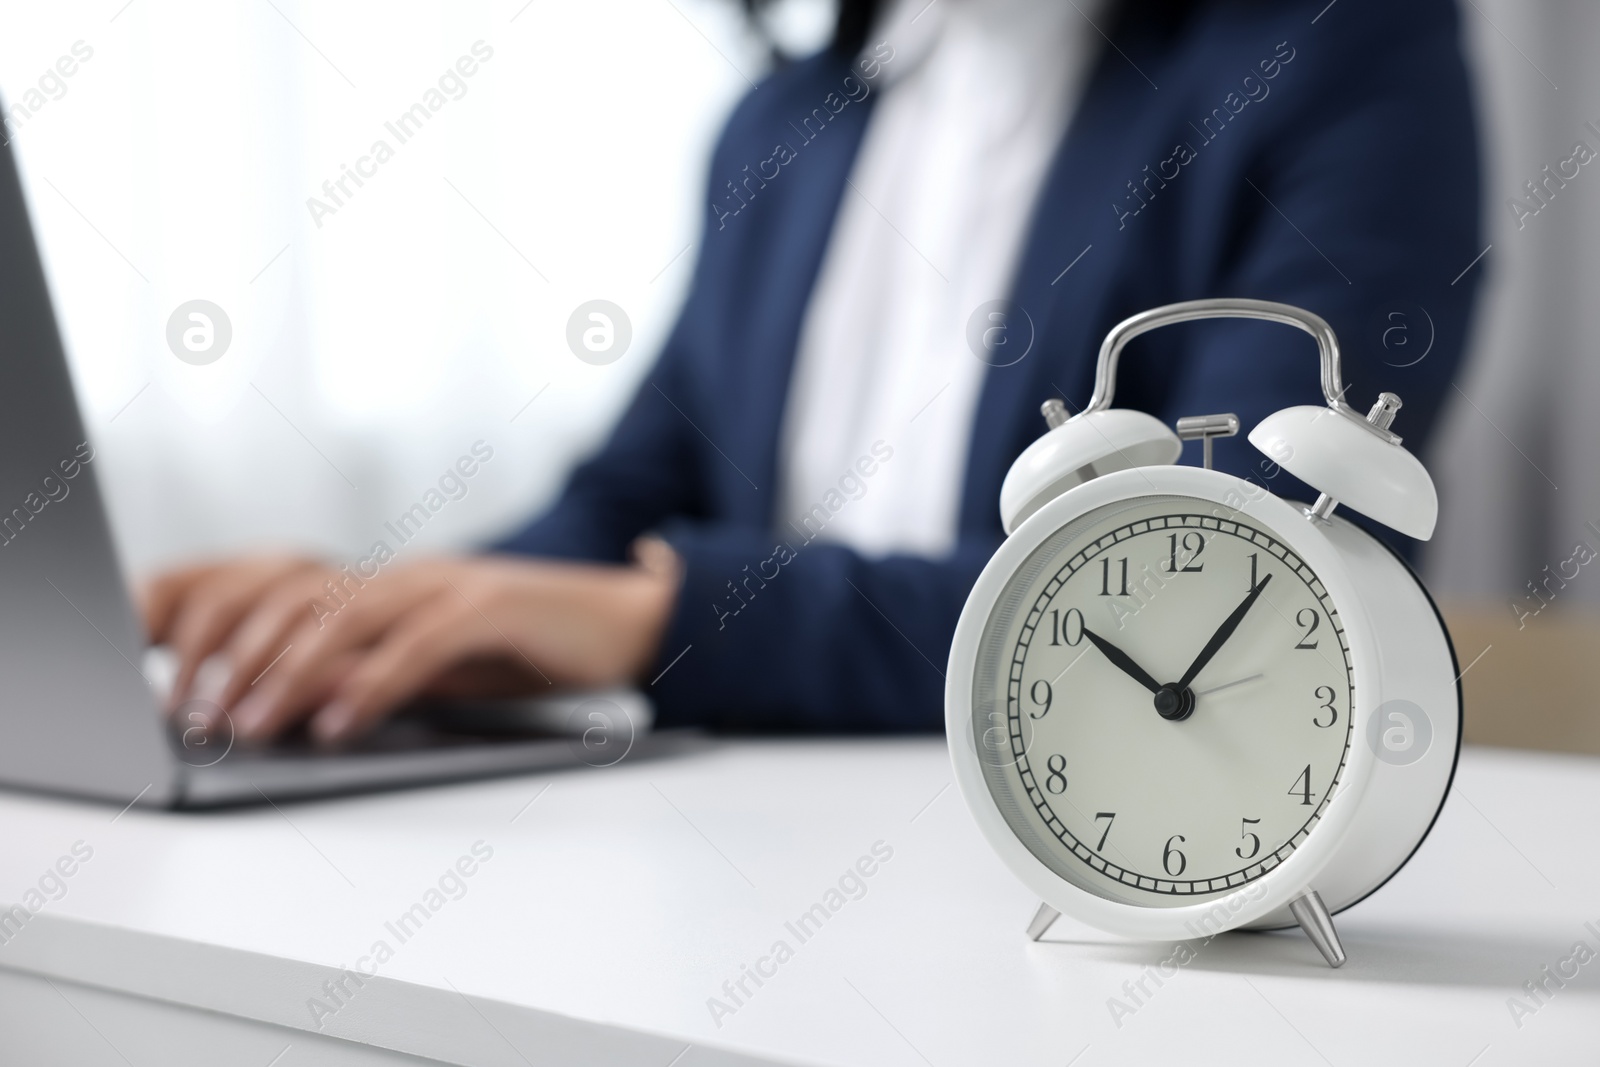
(974, 104)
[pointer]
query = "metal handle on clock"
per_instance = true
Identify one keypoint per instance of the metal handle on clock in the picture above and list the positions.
(1105, 378)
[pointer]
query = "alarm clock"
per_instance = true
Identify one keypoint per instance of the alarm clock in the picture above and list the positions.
(1178, 704)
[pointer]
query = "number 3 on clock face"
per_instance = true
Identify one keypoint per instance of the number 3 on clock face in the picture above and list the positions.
(1174, 689)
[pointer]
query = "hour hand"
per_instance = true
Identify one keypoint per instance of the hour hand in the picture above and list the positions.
(1123, 661)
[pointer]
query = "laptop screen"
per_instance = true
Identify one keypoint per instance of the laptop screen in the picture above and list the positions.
(76, 715)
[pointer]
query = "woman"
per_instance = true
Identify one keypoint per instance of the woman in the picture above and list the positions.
(903, 256)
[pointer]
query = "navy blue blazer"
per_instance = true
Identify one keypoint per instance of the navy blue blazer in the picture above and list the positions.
(1328, 162)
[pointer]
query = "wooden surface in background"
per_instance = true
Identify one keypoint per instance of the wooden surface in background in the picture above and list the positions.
(1532, 686)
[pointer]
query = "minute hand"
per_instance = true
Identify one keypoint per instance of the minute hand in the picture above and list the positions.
(1123, 661)
(1220, 638)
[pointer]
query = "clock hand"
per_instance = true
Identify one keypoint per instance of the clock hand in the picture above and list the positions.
(1218, 639)
(1229, 685)
(1123, 661)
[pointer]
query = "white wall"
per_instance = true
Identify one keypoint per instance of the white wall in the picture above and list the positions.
(1519, 466)
(424, 314)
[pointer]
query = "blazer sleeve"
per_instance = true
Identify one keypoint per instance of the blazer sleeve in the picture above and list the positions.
(767, 633)
(780, 635)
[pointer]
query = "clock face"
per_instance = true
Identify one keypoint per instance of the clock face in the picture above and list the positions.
(1162, 701)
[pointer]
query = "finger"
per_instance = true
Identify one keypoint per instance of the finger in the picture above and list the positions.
(158, 598)
(655, 555)
(317, 691)
(201, 623)
(267, 632)
(298, 675)
(214, 607)
(400, 667)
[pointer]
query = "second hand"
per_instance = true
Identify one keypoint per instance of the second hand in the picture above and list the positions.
(1228, 685)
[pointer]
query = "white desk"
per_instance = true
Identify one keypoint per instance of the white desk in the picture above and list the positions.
(620, 900)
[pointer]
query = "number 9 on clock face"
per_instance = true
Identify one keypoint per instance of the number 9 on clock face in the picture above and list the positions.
(1163, 699)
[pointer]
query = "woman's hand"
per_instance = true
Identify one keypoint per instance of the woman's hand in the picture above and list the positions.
(304, 640)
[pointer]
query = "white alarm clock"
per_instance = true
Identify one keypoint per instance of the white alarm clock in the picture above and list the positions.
(1178, 704)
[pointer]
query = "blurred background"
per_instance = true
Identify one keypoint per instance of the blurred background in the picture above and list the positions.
(374, 339)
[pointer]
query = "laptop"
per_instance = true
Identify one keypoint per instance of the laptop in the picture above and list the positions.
(81, 708)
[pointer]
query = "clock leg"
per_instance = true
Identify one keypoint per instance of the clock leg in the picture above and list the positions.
(1041, 921)
(1312, 915)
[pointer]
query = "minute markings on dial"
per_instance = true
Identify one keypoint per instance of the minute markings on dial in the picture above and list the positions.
(1161, 881)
